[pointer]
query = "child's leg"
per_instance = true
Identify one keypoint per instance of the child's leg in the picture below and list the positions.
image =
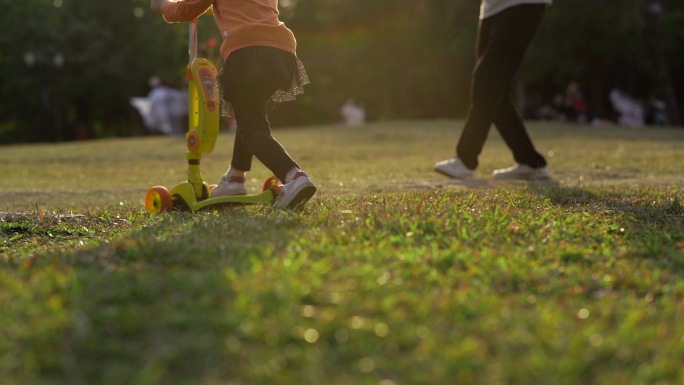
(242, 156)
(249, 105)
(254, 133)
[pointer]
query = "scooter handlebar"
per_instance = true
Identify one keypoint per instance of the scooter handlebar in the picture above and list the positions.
(192, 44)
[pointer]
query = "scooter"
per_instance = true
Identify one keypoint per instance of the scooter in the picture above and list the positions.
(204, 113)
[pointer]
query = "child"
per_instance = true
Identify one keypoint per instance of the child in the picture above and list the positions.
(260, 65)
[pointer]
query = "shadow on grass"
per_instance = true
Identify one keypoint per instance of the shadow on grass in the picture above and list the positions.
(480, 183)
(152, 303)
(653, 218)
(468, 183)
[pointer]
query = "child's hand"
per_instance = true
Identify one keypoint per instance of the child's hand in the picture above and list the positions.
(156, 5)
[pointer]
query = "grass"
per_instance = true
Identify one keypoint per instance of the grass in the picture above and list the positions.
(391, 275)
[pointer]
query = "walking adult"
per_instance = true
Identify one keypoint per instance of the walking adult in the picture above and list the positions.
(505, 30)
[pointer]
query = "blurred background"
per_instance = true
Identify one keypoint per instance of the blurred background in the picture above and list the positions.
(69, 69)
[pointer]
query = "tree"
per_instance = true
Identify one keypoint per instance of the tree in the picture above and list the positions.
(399, 58)
(603, 44)
(70, 64)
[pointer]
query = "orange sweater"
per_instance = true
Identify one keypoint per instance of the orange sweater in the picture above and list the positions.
(243, 23)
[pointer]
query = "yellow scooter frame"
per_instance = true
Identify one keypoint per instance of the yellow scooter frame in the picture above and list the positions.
(204, 114)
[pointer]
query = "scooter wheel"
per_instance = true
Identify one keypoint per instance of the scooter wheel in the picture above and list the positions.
(274, 184)
(158, 200)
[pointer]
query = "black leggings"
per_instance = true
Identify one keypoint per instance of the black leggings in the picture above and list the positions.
(253, 136)
(249, 79)
(502, 41)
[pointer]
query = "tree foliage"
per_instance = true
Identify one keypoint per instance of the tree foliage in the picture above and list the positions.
(70, 66)
(605, 44)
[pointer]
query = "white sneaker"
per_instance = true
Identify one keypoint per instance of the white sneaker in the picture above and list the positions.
(522, 171)
(230, 185)
(453, 168)
(296, 193)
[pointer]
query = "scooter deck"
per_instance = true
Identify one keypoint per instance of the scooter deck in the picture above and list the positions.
(183, 194)
(264, 197)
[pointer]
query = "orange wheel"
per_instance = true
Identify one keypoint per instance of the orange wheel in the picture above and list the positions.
(193, 141)
(158, 199)
(273, 184)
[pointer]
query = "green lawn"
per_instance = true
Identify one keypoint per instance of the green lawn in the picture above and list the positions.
(392, 274)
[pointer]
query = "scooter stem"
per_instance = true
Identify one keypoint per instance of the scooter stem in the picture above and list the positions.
(192, 44)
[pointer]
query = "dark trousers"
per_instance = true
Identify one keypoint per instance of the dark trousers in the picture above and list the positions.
(502, 41)
(253, 136)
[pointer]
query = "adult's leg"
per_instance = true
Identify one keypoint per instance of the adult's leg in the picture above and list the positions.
(515, 30)
(501, 44)
(512, 129)
(482, 103)
(253, 136)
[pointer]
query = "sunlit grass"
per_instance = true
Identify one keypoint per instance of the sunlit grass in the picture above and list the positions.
(383, 157)
(391, 275)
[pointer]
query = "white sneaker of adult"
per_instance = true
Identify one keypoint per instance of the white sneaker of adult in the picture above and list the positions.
(453, 168)
(521, 171)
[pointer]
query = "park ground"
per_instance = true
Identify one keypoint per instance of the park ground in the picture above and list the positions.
(391, 275)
